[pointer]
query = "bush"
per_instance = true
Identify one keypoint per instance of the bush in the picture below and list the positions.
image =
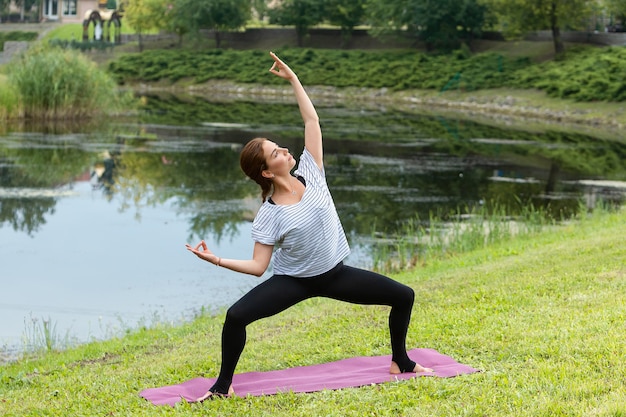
(56, 83)
(16, 35)
(581, 74)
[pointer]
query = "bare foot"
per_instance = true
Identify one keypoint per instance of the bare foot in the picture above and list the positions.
(395, 369)
(211, 395)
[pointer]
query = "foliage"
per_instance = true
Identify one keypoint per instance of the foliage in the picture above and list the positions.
(616, 8)
(145, 16)
(302, 14)
(441, 24)
(16, 35)
(522, 16)
(83, 46)
(216, 15)
(178, 19)
(396, 70)
(346, 15)
(53, 83)
(582, 74)
(9, 100)
(542, 317)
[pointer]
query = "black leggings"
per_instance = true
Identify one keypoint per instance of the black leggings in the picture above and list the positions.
(344, 283)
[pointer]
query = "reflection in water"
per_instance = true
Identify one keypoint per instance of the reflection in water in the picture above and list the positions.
(106, 210)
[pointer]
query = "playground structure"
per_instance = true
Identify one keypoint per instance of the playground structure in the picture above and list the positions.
(102, 19)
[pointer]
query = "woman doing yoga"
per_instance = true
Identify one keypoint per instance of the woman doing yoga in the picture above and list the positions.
(299, 219)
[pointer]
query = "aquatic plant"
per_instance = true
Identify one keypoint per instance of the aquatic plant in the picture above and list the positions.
(41, 335)
(462, 231)
(53, 83)
(9, 100)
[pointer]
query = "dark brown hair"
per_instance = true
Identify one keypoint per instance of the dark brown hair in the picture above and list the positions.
(252, 162)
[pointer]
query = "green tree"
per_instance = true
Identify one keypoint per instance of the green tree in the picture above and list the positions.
(216, 15)
(302, 14)
(177, 19)
(441, 24)
(616, 9)
(521, 16)
(346, 15)
(4, 7)
(145, 16)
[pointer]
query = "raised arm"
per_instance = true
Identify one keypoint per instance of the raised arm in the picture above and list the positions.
(261, 257)
(312, 130)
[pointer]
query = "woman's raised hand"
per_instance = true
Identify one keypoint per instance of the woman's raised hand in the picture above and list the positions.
(281, 69)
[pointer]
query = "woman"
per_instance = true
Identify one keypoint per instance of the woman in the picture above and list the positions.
(299, 218)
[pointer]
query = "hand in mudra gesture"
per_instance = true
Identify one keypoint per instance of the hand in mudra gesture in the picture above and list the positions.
(281, 69)
(202, 251)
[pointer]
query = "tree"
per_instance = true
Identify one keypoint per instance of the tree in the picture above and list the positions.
(4, 6)
(346, 15)
(617, 9)
(177, 19)
(441, 24)
(217, 15)
(299, 13)
(521, 16)
(144, 16)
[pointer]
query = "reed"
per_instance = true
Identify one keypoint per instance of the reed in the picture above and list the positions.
(54, 83)
(9, 100)
(42, 336)
(446, 234)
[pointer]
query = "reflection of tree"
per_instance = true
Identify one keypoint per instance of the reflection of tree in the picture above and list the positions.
(47, 157)
(381, 198)
(25, 214)
(572, 151)
(446, 167)
(208, 184)
(376, 182)
(34, 168)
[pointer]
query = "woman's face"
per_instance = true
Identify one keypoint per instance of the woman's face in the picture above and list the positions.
(277, 160)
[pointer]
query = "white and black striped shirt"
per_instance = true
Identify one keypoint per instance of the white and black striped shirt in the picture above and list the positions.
(308, 235)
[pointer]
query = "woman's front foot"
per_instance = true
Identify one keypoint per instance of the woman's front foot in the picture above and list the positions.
(395, 369)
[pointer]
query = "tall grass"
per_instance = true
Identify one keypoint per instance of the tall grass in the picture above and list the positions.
(42, 336)
(466, 229)
(53, 83)
(9, 100)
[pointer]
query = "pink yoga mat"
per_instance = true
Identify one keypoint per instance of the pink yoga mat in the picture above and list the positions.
(352, 372)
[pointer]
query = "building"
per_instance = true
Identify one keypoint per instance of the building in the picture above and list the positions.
(71, 11)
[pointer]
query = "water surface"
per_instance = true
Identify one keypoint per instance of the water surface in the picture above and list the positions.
(93, 219)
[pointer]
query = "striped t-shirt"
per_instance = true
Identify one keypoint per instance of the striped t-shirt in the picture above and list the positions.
(308, 235)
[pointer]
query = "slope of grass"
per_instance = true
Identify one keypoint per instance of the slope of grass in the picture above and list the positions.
(542, 316)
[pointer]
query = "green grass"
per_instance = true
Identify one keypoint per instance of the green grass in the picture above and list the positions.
(74, 31)
(542, 316)
(9, 100)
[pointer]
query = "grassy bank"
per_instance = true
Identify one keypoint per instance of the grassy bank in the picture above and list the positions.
(499, 81)
(542, 316)
(575, 89)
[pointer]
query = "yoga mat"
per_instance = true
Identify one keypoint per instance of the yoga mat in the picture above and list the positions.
(352, 372)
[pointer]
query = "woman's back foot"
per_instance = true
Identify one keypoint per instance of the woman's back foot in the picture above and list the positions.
(210, 395)
(395, 369)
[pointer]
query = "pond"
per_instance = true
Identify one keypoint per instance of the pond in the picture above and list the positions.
(94, 217)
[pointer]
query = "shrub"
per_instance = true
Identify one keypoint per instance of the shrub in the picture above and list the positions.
(56, 84)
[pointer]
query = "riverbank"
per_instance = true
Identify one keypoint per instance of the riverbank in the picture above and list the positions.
(525, 108)
(520, 109)
(542, 316)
